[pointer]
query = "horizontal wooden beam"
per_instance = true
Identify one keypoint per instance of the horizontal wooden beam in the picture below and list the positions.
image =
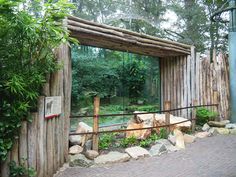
(104, 36)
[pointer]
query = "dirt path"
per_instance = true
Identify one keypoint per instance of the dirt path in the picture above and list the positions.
(209, 157)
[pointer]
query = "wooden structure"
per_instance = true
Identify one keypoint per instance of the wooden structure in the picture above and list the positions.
(184, 78)
(188, 78)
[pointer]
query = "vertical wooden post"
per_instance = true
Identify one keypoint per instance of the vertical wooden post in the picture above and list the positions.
(195, 102)
(167, 106)
(215, 100)
(95, 122)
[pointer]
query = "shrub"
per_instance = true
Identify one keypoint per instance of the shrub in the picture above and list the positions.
(106, 140)
(204, 115)
(130, 141)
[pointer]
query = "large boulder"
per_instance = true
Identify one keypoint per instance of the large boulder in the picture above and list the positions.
(160, 120)
(76, 149)
(137, 152)
(230, 126)
(75, 139)
(79, 160)
(222, 131)
(139, 134)
(84, 128)
(232, 131)
(112, 157)
(205, 127)
(179, 139)
(172, 139)
(168, 145)
(158, 149)
(218, 124)
(91, 154)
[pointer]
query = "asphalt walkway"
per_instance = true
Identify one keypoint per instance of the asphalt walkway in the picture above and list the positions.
(208, 157)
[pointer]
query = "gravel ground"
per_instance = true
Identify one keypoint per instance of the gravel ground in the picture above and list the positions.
(208, 157)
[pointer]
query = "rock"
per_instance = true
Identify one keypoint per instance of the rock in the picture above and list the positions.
(75, 139)
(139, 134)
(225, 121)
(202, 134)
(91, 154)
(232, 131)
(222, 131)
(88, 145)
(84, 128)
(230, 126)
(112, 157)
(168, 145)
(179, 139)
(172, 139)
(137, 152)
(76, 149)
(189, 138)
(158, 149)
(217, 124)
(160, 120)
(212, 131)
(79, 160)
(205, 127)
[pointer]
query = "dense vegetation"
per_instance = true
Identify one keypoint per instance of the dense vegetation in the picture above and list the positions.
(204, 115)
(27, 43)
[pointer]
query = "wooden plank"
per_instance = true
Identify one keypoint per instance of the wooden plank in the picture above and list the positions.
(195, 103)
(189, 84)
(95, 122)
(40, 138)
(15, 152)
(32, 141)
(167, 115)
(49, 148)
(23, 144)
(5, 167)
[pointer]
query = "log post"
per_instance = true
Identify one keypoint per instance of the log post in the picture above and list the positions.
(95, 122)
(215, 101)
(195, 102)
(167, 106)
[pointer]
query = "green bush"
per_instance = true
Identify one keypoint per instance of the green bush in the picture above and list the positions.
(204, 115)
(130, 141)
(20, 170)
(106, 140)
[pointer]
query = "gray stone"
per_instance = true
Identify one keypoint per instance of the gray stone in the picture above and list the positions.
(213, 131)
(91, 154)
(75, 139)
(189, 138)
(158, 149)
(205, 127)
(225, 121)
(168, 145)
(88, 145)
(230, 126)
(222, 131)
(232, 131)
(217, 124)
(112, 157)
(137, 152)
(76, 149)
(172, 139)
(79, 160)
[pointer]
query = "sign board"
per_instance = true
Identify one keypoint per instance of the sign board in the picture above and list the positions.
(52, 106)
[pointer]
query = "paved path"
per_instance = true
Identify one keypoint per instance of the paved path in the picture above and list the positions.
(209, 157)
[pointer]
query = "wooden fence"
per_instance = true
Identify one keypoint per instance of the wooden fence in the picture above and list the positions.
(44, 142)
(186, 79)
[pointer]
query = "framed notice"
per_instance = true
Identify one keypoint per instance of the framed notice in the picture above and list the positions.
(52, 106)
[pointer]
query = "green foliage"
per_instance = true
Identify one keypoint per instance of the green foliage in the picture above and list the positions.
(130, 141)
(27, 46)
(20, 170)
(204, 115)
(163, 133)
(106, 140)
(145, 143)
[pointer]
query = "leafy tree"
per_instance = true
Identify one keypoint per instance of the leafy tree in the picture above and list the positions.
(27, 44)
